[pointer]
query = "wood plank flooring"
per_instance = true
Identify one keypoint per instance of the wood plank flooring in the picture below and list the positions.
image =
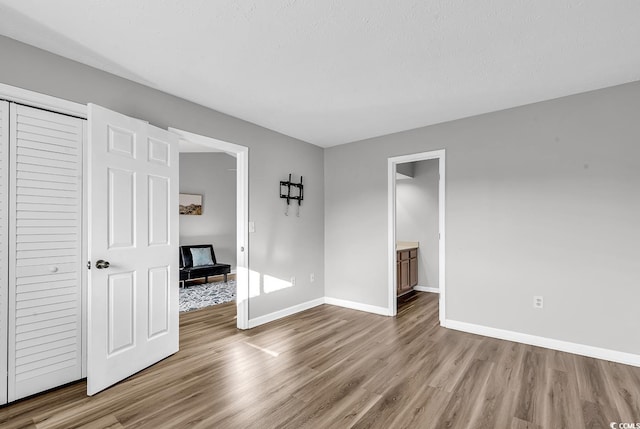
(330, 367)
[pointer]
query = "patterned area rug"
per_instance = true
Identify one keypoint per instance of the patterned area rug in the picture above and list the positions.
(198, 296)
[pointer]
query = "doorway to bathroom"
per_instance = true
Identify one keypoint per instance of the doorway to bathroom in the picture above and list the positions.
(416, 247)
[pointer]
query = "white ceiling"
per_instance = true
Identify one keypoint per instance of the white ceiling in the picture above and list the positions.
(335, 71)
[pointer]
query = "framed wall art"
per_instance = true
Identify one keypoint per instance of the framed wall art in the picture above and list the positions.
(190, 204)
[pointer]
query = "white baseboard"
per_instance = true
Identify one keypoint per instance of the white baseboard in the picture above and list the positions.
(261, 320)
(284, 312)
(549, 343)
(427, 289)
(384, 311)
(503, 334)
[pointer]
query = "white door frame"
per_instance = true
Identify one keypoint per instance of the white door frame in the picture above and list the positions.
(241, 153)
(59, 105)
(391, 192)
(42, 101)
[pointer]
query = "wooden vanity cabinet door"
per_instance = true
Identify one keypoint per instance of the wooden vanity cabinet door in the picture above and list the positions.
(413, 267)
(407, 270)
(398, 281)
(404, 275)
(413, 272)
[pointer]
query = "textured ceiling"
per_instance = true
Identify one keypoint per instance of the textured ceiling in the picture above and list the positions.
(331, 72)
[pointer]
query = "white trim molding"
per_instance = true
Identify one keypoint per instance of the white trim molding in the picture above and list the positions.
(391, 227)
(548, 343)
(383, 311)
(426, 289)
(241, 153)
(261, 320)
(42, 101)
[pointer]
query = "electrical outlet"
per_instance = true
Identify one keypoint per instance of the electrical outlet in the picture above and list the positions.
(252, 227)
(538, 302)
(293, 281)
(312, 277)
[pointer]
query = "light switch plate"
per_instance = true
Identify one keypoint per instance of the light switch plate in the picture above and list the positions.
(252, 227)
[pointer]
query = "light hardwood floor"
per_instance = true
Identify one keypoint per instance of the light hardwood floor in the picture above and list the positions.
(330, 367)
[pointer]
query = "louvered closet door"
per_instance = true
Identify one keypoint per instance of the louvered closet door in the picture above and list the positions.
(45, 267)
(4, 244)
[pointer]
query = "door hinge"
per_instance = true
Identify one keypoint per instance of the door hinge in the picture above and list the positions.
(88, 265)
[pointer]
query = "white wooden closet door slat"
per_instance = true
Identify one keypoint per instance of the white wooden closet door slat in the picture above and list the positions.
(4, 246)
(64, 166)
(45, 266)
(54, 171)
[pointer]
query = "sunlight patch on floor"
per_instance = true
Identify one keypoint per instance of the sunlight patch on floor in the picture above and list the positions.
(262, 349)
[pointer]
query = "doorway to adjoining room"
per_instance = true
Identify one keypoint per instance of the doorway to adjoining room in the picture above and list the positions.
(416, 227)
(207, 227)
(213, 196)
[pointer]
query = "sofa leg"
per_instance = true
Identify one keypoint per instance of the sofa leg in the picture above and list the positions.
(225, 278)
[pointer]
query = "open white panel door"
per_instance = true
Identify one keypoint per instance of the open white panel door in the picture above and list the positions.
(133, 247)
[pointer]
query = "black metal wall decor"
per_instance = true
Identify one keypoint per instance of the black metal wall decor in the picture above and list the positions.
(292, 191)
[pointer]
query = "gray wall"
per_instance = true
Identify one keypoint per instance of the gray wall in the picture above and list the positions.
(417, 217)
(212, 175)
(540, 200)
(281, 246)
(406, 168)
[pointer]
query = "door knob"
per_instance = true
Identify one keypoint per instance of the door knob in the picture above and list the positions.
(100, 264)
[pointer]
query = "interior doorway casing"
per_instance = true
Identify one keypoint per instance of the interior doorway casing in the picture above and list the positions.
(241, 153)
(391, 192)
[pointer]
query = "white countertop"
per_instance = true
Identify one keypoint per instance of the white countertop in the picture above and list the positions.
(406, 245)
